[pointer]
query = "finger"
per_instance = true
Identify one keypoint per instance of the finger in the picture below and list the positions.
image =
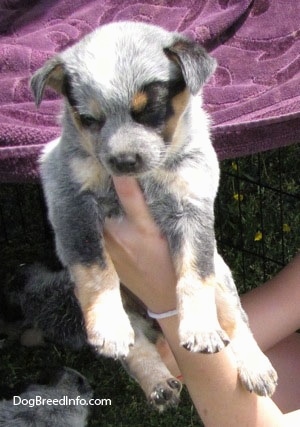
(132, 200)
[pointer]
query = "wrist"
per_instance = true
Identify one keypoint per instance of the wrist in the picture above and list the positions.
(158, 303)
(162, 315)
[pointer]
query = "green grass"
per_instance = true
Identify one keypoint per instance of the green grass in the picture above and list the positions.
(244, 209)
(108, 379)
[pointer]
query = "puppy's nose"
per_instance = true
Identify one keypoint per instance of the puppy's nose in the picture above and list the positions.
(125, 163)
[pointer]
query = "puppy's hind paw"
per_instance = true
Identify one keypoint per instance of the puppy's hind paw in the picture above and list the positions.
(165, 394)
(260, 378)
(203, 341)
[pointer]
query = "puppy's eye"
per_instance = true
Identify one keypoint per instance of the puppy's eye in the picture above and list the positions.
(152, 116)
(87, 120)
(91, 122)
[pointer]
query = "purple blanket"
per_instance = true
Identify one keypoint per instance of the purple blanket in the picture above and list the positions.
(254, 96)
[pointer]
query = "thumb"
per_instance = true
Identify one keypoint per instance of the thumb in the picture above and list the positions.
(132, 200)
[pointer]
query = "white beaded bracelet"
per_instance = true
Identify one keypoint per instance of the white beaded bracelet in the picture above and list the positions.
(164, 315)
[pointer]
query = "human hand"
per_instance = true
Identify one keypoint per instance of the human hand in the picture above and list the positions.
(139, 251)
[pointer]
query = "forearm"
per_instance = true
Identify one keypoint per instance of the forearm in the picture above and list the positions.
(212, 379)
(213, 385)
(280, 295)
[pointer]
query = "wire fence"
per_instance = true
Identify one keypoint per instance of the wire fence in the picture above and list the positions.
(258, 213)
(257, 217)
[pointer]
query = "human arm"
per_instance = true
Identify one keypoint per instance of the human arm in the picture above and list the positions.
(142, 259)
(275, 305)
(213, 385)
(270, 303)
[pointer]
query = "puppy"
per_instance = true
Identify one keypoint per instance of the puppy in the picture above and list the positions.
(132, 106)
(39, 306)
(42, 306)
(27, 410)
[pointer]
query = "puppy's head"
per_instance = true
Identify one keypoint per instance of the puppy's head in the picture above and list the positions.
(71, 382)
(126, 87)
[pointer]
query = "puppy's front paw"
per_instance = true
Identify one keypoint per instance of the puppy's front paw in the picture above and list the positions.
(165, 394)
(111, 335)
(201, 340)
(258, 375)
(199, 327)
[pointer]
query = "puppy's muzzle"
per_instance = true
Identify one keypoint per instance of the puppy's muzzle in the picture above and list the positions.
(126, 163)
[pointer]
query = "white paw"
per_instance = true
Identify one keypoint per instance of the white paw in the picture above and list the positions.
(258, 375)
(199, 328)
(111, 333)
(200, 340)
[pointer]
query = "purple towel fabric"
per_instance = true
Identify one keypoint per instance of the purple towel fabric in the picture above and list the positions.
(254, 96)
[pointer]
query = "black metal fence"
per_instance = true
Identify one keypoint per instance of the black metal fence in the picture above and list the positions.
(257, 217)
(258, 213)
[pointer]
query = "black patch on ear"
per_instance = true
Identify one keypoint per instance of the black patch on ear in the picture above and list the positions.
(195, 63)
(158, 108)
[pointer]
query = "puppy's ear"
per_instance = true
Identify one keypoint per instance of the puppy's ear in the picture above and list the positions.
(195, 63)
(51, 74)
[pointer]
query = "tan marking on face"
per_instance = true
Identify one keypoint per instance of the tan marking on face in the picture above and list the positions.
(85, 140)
(94, 108)
(179, 104)
(139, 102)
(75, 117)
(89, 173)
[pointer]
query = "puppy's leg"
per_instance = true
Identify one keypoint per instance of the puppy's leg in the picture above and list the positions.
(78, 223)
(199, 328)
(108, 326)
(192, 244)
(144, 364)
(254, 369)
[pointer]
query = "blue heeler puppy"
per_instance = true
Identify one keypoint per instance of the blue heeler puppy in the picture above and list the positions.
(132, 106)
(57, 409)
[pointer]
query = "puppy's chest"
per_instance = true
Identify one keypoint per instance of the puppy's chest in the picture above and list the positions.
(165, 188)
(107, 202)
(166, 195)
